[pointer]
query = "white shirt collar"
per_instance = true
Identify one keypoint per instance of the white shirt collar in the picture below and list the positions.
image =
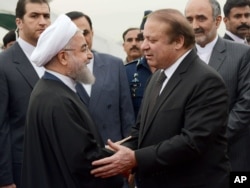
(205, 52)
(170, 70)
(65, 79)
(28, 49)
(235, 38)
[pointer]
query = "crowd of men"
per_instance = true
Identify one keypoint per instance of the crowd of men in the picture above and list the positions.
(175, 113)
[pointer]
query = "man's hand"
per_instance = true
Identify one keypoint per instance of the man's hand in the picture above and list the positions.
(120, 163)
(119, 142)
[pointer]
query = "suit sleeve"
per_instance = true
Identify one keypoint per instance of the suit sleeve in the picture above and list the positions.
(5, 142)
(239, 117)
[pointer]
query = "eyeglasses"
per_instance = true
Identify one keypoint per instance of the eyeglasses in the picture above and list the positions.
(84, 49)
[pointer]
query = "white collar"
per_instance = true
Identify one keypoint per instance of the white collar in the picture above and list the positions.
(235, 37)
(26, 47)
(65, 79)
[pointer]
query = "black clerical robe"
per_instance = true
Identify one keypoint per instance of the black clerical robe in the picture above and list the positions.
(61, 141)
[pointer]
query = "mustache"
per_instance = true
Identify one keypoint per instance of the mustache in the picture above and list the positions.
(243, 26)
(199, 30)
(134, 48)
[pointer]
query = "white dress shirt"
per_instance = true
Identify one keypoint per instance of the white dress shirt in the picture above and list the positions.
(28, 49)
(170, 70)
(65, 79)
(206, 52)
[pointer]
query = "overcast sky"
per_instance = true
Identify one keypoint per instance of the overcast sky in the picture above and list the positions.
(112, 17)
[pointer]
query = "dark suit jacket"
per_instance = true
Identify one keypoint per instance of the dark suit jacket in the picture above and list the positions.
(232, 61)
(183, 144)
(226, 36)
(110, 103)
(61, 141)
(17, 79)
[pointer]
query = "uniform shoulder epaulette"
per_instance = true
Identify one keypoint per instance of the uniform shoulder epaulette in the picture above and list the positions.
(133, 62)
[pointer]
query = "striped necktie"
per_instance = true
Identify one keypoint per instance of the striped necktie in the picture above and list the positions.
(156, 91)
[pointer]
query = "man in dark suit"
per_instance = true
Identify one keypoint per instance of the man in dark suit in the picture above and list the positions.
(232, 61)
(237, 20)
(180, 139)
(108, 99)
(17, 79)
(61, 139)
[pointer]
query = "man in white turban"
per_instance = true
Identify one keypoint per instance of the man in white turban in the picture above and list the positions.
(61, 139)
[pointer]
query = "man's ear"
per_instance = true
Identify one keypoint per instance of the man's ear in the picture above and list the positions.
(62, 57)
(218, 21)
(179, 42)
(18, 23)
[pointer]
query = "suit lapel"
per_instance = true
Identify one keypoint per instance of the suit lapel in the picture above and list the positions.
(24, 66)
(218, 54)
(99, 73)
(173, 82)
(82, 93)
(226, 36)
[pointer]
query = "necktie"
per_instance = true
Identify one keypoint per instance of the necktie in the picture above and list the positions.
(156, 91)
(81, 92)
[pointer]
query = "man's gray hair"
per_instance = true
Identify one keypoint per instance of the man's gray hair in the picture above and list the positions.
(215, 8)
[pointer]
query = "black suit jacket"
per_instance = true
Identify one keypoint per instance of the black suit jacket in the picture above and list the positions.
(17, 79)
(232, 61)
(61, 141)
(183, 143)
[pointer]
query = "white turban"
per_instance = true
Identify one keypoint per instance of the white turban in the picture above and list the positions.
(53, 39)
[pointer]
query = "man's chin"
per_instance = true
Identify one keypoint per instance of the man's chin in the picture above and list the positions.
(243, 33)
(89, 80)
(200, 41)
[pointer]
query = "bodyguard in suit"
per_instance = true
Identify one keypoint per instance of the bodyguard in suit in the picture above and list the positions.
(17, 79)
(237, 20)
(231, 60)
(109, 100)
(179, 140)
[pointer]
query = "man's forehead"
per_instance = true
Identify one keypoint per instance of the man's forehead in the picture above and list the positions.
(38, 8)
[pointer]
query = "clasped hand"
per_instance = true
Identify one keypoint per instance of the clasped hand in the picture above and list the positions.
(119, 163)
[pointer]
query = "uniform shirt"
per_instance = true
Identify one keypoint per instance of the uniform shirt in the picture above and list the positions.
(138, 73)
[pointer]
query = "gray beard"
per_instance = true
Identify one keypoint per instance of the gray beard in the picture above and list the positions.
(85, 76)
